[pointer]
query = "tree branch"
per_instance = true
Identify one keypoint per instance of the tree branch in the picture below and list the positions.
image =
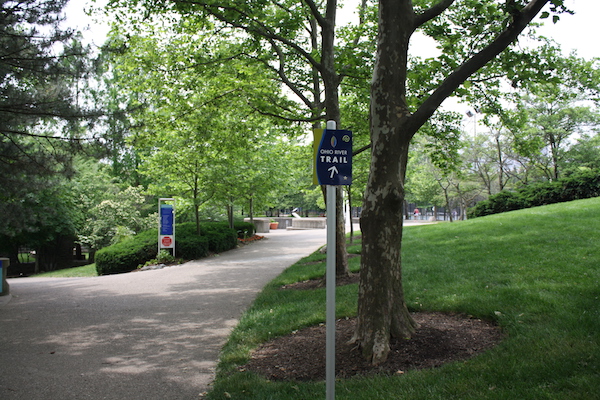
(432, 12)
(361, 150)
(282, 75)
(315, 12)
(260, 29)
(6, 133)
(288, 119)
(477, 61)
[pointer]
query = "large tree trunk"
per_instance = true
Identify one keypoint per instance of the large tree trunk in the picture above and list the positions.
(382, 312)
(341, 252)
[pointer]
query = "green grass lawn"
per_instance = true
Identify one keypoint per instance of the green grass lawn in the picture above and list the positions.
(534, 272)
(76, 272)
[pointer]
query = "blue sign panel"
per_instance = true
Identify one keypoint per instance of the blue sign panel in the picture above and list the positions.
(166, 219)
(334, 158)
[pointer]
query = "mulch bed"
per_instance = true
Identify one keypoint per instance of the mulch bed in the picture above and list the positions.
(250, 239)
(442, 338)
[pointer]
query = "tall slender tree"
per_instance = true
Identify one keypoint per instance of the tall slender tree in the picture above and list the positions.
(382, 310)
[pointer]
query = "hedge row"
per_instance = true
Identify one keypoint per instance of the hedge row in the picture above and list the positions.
(582, 184)
(214, 237)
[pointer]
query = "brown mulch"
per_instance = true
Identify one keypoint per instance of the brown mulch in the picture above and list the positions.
(442, 338)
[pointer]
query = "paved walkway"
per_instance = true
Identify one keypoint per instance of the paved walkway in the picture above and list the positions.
(143, 335)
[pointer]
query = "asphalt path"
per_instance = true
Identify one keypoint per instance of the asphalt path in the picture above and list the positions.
(142, 335)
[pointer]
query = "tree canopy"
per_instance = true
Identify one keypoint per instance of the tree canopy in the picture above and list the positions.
(42, 106)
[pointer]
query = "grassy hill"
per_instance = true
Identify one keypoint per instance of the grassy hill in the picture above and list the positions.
(534, 272)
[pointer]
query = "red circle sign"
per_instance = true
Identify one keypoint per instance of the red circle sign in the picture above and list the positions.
(167, 241)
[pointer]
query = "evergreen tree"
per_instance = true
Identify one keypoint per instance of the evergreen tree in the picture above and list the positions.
(41, 109)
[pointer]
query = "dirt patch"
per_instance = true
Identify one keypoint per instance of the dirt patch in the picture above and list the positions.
(441, 338)
(320, 283)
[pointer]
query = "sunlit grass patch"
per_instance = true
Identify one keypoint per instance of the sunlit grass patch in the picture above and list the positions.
(535, 272)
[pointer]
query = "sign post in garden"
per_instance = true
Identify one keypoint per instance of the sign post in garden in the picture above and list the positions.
(166, 224)
(333, 167)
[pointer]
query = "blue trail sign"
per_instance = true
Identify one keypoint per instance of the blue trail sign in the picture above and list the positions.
(333, 157)
(166, 228)
(166, 219)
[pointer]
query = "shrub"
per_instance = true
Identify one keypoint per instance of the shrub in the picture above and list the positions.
(220, 236)
(582, 184)
(244, 229)
(500, 202)
(127, 255)
(542, 193)
(191, 247)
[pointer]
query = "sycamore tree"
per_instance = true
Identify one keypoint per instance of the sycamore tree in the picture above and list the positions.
(489, 28)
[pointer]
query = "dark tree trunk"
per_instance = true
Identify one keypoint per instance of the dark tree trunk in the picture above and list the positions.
(331, 83)
(341, 253)
(382, 311)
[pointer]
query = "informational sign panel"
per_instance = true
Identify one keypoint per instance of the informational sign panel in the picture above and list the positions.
(166, 219)
(333, 157)
(166, 228)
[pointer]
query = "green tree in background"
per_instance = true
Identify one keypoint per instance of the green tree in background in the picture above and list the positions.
(205, 144)
(46, 116)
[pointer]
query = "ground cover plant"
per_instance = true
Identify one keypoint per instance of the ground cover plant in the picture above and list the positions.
(534, 273)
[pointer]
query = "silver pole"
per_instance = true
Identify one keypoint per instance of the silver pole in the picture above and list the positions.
(330, 287)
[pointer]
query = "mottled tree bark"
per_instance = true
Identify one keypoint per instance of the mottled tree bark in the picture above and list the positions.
(382, 311)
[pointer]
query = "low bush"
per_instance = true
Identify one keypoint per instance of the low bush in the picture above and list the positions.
(244, 229)
(214, 237)
(126, 255)
(582, 184)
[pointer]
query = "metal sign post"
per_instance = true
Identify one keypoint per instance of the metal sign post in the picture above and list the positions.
(330, 296)
(333, 167)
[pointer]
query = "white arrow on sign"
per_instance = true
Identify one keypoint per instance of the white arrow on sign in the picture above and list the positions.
(333, 170)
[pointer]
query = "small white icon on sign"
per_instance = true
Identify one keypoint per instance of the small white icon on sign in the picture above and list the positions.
(333, 170)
